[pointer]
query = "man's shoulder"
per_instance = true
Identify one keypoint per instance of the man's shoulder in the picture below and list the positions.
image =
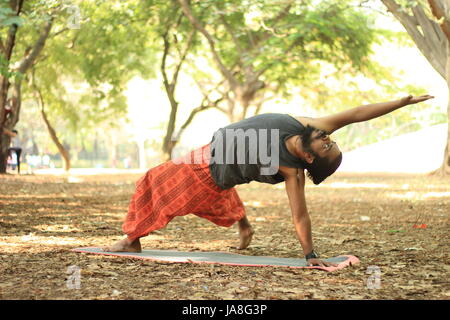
(288, 172)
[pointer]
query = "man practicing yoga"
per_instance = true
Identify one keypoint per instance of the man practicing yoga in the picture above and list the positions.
(268, 148)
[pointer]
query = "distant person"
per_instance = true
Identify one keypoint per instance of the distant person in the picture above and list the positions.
(15, 146)
(127, 162)
(203, 182)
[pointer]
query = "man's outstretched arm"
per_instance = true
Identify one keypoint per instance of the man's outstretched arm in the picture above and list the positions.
(365, 112)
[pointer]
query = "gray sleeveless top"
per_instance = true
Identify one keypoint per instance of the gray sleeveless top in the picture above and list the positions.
(253, 149)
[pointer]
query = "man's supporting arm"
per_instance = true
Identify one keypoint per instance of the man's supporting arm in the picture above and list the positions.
(295, 188)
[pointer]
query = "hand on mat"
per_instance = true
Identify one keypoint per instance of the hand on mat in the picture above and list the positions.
(320, 263)
(412, 100)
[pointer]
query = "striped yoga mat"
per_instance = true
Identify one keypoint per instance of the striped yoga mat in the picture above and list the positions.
(224, 258)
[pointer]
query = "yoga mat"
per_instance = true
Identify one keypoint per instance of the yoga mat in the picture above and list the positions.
(223, 258)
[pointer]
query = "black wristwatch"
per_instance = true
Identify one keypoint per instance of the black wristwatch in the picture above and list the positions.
(311, 255)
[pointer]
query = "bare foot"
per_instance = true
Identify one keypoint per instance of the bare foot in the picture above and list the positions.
(124, 245)
(246, 237)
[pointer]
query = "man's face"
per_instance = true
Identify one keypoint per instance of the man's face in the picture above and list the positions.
(323, 146)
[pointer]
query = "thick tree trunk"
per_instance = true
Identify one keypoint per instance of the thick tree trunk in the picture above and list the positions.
(5, 141)
(9, 123)
(244, 95)
(432, 38)
(22, 67)
(446, 162)
(238, 106)
(445, 167)
(5, 84)
(241, 107)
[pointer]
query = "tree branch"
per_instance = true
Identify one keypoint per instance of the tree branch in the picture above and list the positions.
(271, 30)
(206, 94)
(11, 39)
(167, 85)
(268, 32)
(262, 70)
(28, 60)
(436, 58)
(430, 29)
(2, 46)
(51, 130)
(183, 56)
(233, 36)
(57, 33)
(197, 25)
(440, 13)
(200, 108)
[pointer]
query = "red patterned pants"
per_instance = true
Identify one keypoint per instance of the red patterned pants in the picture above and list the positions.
(177, 188)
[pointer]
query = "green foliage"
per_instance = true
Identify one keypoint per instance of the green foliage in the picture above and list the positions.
(408, 4)
(323, 49)
(167, 20)
(337, 93)
(97, 46)
(284, 48)
(4, 68)
(7, 16)
(83, 72)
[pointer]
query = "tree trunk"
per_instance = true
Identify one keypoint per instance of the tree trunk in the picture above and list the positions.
(64, 153)
(5, 141)
(241, 107)
(13, 118)
(432, 38)
(445, 167)
(22, 67)
(237, 107)
(244, 96)
(446, 162)
(169, 142)
(62, 150)
(113, 149)
(141, 148)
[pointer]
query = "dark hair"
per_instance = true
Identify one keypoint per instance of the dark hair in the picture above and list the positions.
(15, 131)
(307, 138)
(320, 168)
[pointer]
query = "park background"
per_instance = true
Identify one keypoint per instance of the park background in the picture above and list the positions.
(100, 82)
(114, 110)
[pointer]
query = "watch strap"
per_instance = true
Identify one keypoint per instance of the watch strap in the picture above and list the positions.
(311, 255)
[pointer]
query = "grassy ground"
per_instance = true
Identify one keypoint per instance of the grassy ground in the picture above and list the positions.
(43, 217)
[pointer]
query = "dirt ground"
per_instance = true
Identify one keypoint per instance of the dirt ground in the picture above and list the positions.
(42, 217)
